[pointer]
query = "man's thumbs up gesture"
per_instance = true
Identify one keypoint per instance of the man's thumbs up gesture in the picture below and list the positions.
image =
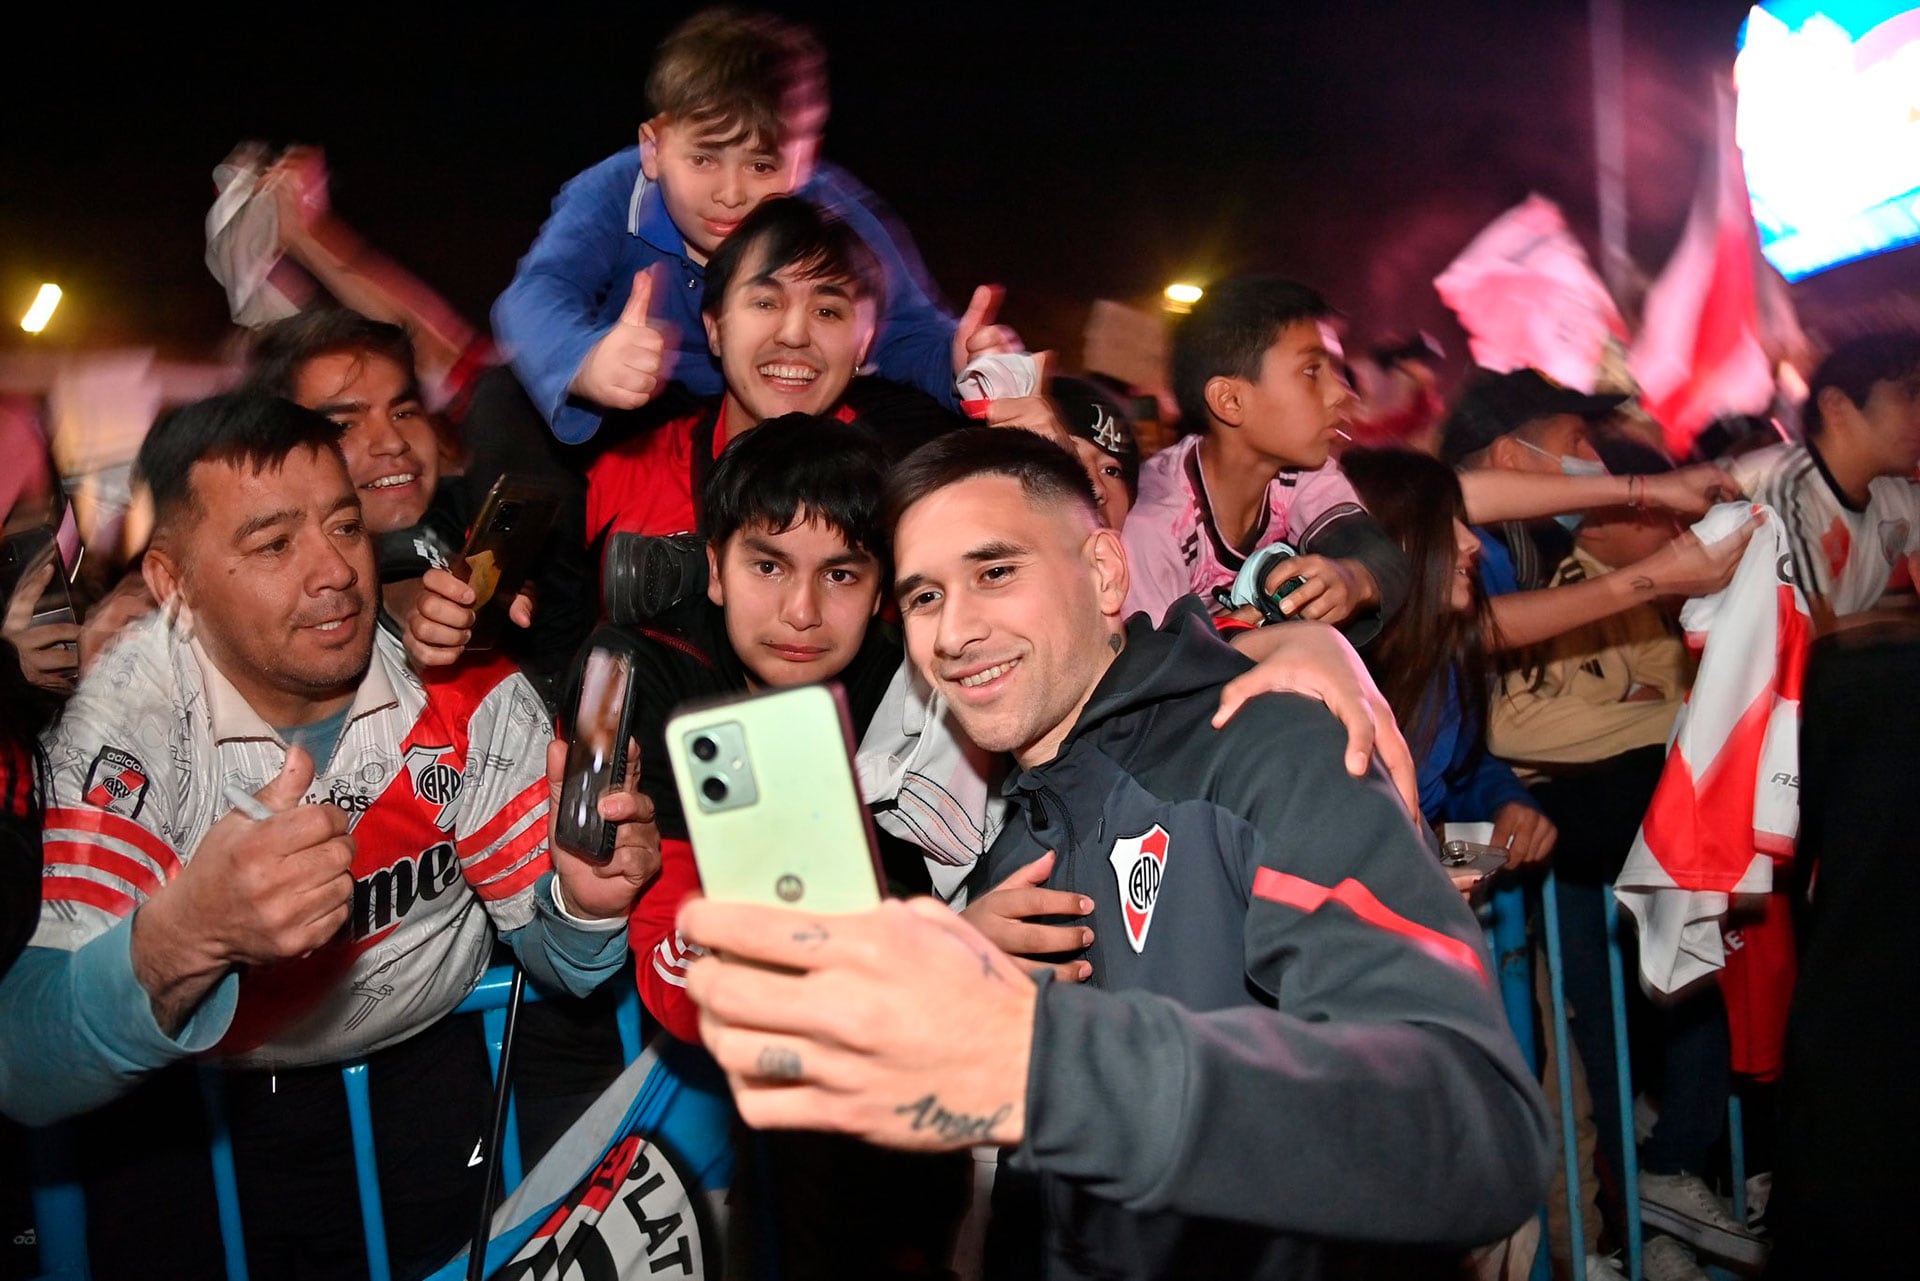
(628, 364)
(977, 335)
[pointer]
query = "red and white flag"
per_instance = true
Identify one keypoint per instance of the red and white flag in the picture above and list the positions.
(1719, 318)
(1528, 297)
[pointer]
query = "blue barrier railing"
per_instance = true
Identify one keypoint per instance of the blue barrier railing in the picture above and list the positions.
(60, 1206)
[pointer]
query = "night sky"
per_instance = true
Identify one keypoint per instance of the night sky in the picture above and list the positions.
(1070, 152)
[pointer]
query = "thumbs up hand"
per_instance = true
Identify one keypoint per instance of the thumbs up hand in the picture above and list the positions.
(626, 367)
(977, 334)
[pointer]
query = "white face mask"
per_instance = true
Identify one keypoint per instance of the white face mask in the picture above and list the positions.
(1572, 466)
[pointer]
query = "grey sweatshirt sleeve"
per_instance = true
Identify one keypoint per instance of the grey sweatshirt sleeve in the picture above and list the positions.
(1381, 1098)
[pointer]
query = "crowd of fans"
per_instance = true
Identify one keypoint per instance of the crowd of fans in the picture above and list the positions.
(268, 803)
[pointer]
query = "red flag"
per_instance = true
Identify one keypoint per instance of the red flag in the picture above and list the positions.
(1719, 316)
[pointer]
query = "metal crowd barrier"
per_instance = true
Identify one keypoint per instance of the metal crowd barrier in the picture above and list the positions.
(1505, 922)
(60, 1206)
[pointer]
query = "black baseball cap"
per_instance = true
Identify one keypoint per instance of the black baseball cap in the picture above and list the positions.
(1093, 413)
(1494, 404)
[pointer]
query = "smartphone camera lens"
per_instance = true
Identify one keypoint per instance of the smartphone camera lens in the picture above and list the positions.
(715, 789)
(706, 749)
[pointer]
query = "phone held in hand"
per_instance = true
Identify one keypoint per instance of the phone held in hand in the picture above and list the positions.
(501, 551)
(1472, 856)
(26, 553)
(599, 731)
(767, 785)
(1467, 849)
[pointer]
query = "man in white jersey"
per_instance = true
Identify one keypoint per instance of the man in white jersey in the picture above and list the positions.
(1847, 493)
(406, 820)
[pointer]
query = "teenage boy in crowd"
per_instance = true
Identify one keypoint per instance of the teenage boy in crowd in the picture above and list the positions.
(1256, 371)
(1103, 440)
(607, 305)
(1848, 491)
(403, 824)
(789, 313)
(1288, 1053)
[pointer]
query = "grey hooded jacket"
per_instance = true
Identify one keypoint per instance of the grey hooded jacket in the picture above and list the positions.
(1290, 1060)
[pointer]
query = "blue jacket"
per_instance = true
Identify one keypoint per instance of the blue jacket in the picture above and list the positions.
(608, 222)
(1459, 782)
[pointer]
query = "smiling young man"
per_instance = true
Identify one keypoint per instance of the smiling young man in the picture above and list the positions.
(1288, 1061)
(360, 373)
(407, 826)
(790, 311)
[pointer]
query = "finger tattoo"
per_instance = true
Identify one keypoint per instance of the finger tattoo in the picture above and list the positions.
(777, 1063)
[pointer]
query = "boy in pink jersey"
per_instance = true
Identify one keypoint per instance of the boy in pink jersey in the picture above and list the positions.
(1256, 371)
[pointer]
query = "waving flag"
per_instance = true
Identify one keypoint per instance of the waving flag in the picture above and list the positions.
(1528, 297)
(1719, 317)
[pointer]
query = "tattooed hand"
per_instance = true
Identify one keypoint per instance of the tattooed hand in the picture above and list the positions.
(902, 1026)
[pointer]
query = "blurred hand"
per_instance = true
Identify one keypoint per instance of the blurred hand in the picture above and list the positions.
(48, 653)
(1004, 916)
(1335, 590)
(854, 1032)
(627, 366)
(127, 603)
(1524, 833)
(1690, 490)
(297, 181)
(1687, 567)
(439, 623)
(1034, 413)
(978, 335)
(605, 891)
(1317, 662)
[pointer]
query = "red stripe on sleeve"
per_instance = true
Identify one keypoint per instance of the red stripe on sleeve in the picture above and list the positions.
(112, 862)
(101, 823)
(73, 889)
(507, 855)
(500, 824)
(513, 882)
(1305, 896)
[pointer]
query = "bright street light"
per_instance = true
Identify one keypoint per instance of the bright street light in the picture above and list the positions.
(1183, 295)
(42, 310)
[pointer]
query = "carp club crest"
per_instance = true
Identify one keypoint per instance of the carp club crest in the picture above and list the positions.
(1139, 862)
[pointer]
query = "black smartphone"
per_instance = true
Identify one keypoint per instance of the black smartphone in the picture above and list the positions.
(601, 726)
(23, 555)
(501, 550)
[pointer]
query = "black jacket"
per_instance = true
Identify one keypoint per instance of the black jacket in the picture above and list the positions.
(1290, 1045)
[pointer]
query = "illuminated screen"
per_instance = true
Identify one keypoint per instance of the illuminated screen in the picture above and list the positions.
(1829, 128)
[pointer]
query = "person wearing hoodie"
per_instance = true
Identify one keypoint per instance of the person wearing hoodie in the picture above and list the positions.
(1288, 1060)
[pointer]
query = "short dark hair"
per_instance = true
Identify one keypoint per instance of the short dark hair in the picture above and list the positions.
(793, 466)
(282, 348)
(1047, 474)
(1856, 365)
(240, 427)
(751, 71)
(1228, 332)
(795, 234)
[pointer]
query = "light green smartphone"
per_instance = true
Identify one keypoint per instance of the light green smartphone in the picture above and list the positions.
(767, 786)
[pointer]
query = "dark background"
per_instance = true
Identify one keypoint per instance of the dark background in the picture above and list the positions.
(1069, 151)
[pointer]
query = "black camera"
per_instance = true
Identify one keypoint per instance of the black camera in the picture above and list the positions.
(646, 575)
